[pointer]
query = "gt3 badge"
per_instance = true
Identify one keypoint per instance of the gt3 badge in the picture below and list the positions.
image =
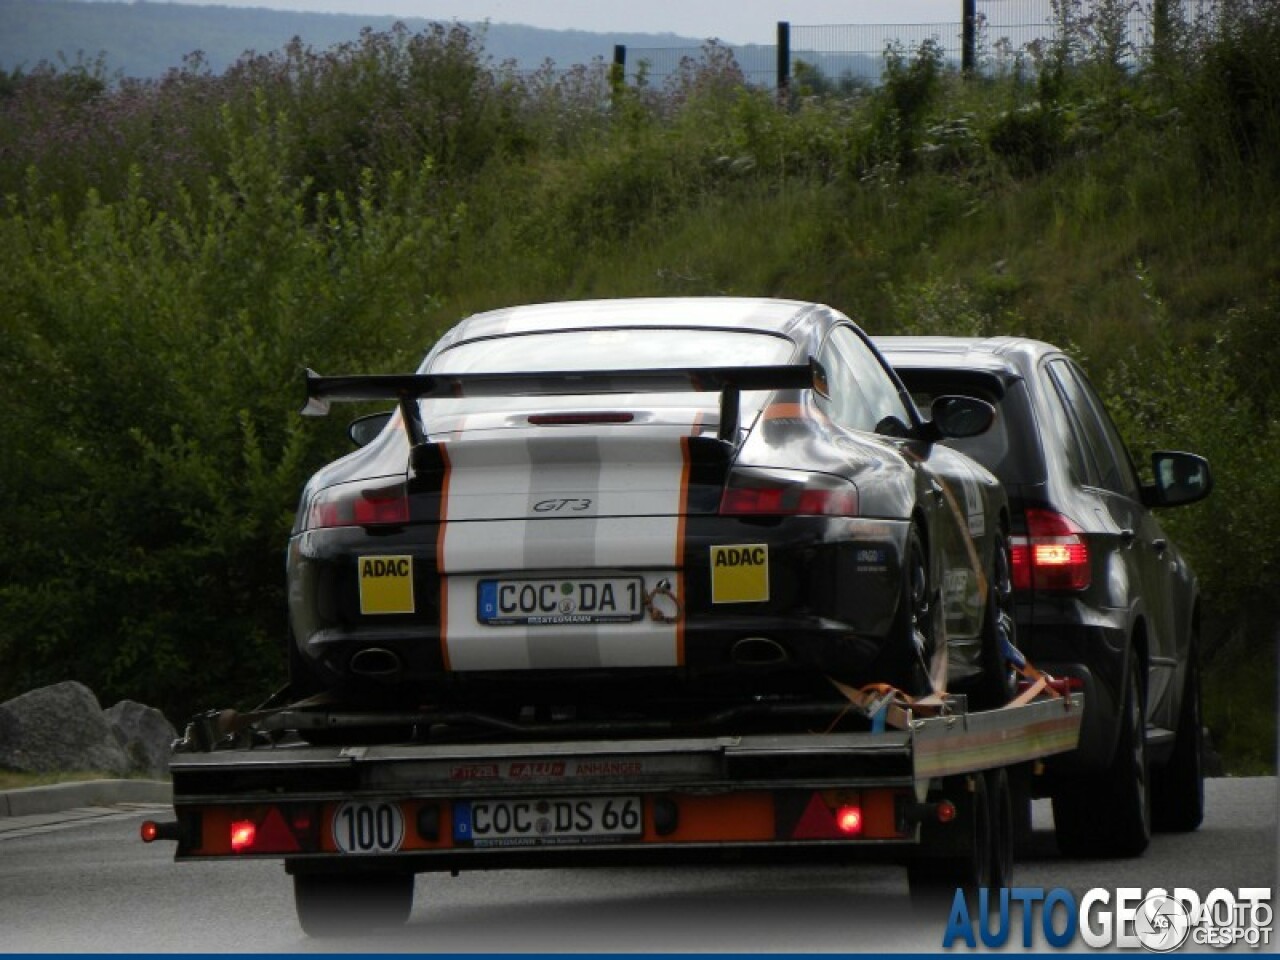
(386, 585)
(740, 573)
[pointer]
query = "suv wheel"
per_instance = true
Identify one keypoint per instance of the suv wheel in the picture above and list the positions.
(1110, 815)
(1178, 797)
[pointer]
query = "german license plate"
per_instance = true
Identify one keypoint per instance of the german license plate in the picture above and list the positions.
(554, 602)
(526, 822)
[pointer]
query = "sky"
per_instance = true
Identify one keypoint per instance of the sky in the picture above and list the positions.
(734, 21)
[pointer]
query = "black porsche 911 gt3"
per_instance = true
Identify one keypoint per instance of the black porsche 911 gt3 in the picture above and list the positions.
(653, 509)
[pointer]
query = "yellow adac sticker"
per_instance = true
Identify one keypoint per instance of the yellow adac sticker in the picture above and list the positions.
(740, 573)
(386, 585)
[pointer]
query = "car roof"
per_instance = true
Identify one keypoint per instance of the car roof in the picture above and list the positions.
(1002, 356)
(745, 313)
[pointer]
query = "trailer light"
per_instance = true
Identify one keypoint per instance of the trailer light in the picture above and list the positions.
(428, 822)
(946, 811)
(666, 816)
(243, 834)
(849, 820)
(150, 830)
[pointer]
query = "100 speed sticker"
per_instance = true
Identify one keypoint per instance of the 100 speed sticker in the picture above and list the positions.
(368, 827)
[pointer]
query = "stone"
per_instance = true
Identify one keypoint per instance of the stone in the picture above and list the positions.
(59, 728)
(145, 735)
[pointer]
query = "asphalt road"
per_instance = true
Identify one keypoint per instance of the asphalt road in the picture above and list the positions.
(83, 881)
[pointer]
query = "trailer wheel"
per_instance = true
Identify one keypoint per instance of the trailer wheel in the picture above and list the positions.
(1003, 834)
(959, 854)
(1110, 815)
(332, 905)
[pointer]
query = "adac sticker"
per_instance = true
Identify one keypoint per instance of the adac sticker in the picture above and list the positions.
(386, 585)
(740, 573)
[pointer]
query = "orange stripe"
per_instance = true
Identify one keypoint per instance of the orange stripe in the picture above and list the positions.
(681, 519)
(444, 583)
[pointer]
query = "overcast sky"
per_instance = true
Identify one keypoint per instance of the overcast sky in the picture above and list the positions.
(734, 21)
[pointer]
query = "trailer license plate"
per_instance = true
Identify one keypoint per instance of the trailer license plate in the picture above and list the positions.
(516, 823)
(554, 602)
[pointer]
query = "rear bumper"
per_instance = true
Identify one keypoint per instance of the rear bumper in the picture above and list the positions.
(822, 598)
(1067, 639)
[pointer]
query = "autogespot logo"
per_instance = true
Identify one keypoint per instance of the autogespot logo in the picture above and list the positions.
(1156, 920)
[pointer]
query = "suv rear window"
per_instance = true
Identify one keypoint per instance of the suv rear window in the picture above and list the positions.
(1011, 448)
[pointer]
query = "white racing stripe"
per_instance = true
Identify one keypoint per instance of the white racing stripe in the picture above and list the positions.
(563, 507)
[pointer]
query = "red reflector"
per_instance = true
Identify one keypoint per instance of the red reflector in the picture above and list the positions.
(149, 831)
(946, 811)
(849, 820)
(1052, 556)
(243, 833)
(363, 503)
(576, 419)
(789, 501)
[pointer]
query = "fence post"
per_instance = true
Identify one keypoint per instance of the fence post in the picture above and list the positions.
(784, 61)
(969, 36)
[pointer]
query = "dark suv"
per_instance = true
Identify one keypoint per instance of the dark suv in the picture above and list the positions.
(1101, 593)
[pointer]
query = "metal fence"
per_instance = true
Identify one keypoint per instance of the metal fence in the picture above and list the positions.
(987, 37)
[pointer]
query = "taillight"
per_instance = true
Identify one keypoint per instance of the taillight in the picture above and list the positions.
(1052, 556)
(361, 503)
(790, 499)
(849, 819)
(243, 835)
(579, 419)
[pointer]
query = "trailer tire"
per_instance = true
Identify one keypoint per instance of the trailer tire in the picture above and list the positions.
(967, 862)
(1110, 815)
(332, 905)
(1003, 834)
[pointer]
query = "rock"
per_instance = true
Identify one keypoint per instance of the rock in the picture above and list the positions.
(56, 729)
(145, 736)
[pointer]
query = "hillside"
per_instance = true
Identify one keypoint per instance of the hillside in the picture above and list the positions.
(173, 253)
(142, 39)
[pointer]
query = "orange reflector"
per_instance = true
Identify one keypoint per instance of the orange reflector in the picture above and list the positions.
(243, 833)
(149, 831)
(849, 820)
(946, 811)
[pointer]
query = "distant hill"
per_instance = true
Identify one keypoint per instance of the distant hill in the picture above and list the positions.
(143, 39)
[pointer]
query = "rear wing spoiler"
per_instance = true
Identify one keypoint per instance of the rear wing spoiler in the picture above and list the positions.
(407, 389)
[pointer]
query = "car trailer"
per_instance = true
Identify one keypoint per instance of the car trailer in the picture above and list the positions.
(928, 784)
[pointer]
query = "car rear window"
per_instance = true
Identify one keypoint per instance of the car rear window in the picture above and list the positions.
(1011, 448)
(615, 349)
(619, 348)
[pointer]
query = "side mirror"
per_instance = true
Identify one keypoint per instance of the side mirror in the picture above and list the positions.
(1181, 478)
(953, 417)
(363, 429)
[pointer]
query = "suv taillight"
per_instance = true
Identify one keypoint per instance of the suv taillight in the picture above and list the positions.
(363, 503)
(1052, 556)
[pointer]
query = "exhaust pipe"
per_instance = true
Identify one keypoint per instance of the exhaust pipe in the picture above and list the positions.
(759, 652)
(377, 663)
